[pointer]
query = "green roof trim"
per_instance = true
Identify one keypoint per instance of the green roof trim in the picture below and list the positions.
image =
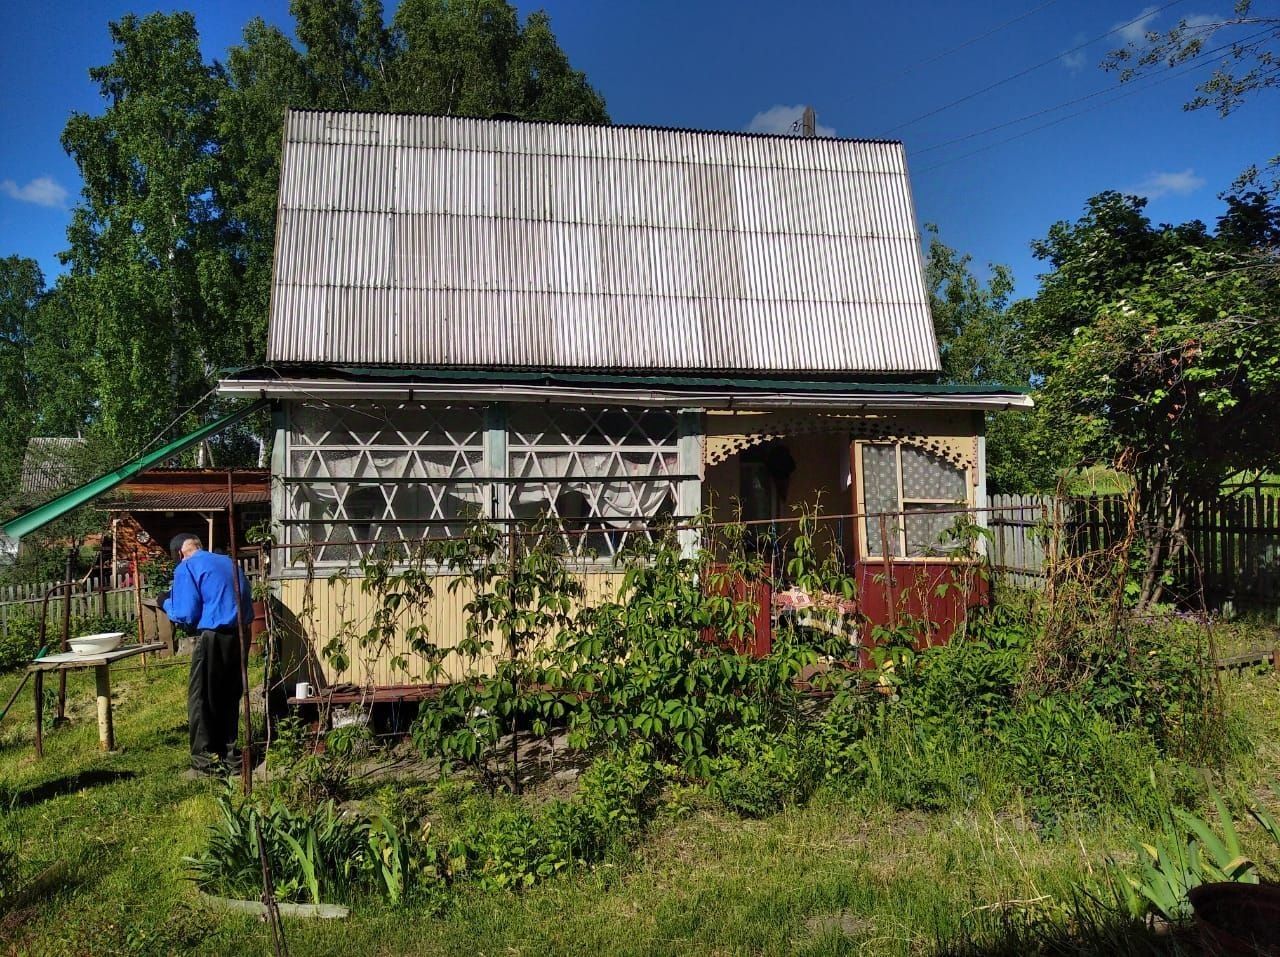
(284, 373)
(42, 515)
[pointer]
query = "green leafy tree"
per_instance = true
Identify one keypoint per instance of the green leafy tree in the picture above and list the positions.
(980, 340)
(1160, 350)
(21, 286)
(61, 385)
(1249, 44)
(150, 271)
(171, 247)
(475, 58)
(340, 61)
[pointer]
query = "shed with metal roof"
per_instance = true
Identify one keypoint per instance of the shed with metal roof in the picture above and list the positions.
(604, 329)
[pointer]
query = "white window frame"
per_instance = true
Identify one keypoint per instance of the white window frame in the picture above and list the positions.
(598, 528)
(494, 450)
(898, 530)
(472, 451)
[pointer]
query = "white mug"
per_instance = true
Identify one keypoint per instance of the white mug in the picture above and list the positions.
(303, 690)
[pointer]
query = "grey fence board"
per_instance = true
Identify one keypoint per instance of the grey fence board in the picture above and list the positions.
(1232, 542)
(120, 601)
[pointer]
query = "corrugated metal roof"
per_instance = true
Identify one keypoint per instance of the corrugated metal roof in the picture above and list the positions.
(448, 241)
(50, 463)
(186, 501)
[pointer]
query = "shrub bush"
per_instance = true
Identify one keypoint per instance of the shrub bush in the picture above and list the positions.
(1067, 757)
(304, 776)
(19, 642)
(759, 773)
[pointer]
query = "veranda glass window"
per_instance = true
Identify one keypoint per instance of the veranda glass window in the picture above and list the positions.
(919, 490)
(599, 473)
(382, 472)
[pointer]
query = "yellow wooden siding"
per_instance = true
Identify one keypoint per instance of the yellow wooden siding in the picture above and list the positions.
(316, 613)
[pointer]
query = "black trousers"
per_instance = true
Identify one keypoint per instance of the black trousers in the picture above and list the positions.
(213, 697)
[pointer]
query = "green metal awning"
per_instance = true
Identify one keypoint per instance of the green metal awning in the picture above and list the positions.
(42, 515)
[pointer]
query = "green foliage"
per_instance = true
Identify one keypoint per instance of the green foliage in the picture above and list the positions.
(11, 873)
(21, 286)
(19, 641)
(158, 573)
(977, 335)
(980, 341)
(522, 596)
(494, 64)
(1266, 820)
(1160, 355)
(658, 665)
(1248, 62)
(1158, 678)
(970, 682)
(320, 855)
(1070, 759)
(517, 847)
(1187, 854)
(304, 775)
(759, 772)
(150, 265)
(655, 667)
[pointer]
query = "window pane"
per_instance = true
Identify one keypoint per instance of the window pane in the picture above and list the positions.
(926, 527)
(596, 471)
(880, 494)
(363, 453)
(926, 475)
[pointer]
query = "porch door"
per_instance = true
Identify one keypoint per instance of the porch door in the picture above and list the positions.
(909, 568)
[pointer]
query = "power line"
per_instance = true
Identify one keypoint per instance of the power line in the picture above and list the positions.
(1145, 15)
(946, 53)
(1063, 119)
(1157, 78)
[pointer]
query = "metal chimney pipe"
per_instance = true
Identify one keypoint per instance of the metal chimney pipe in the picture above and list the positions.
(809, 122)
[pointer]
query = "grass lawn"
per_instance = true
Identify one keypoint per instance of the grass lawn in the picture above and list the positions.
(106, 835)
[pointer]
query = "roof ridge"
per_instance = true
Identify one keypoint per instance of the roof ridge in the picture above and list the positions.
(658, 128)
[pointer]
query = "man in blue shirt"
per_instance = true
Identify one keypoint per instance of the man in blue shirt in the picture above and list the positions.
(203, 600)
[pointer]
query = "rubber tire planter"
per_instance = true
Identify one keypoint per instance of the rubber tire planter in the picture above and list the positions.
(1238, 918)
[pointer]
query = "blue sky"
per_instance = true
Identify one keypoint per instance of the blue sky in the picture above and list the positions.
(870, 69)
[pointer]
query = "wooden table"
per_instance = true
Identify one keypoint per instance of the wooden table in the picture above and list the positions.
(101, 665)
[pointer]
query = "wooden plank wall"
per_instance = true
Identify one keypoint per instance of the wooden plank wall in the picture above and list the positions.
(337, 608)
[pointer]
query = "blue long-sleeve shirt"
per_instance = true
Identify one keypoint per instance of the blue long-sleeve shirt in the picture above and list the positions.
(203, 595)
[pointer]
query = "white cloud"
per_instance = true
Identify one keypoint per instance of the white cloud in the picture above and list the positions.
(1136, 31)
(42, 191)
(1075, 60)
(783, 119)
(1169, 184)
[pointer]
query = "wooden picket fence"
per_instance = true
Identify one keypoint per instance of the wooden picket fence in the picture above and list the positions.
(1232, 553)
(88, 599)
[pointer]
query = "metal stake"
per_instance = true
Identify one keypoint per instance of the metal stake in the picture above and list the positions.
(66, 639)
(246, 756)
